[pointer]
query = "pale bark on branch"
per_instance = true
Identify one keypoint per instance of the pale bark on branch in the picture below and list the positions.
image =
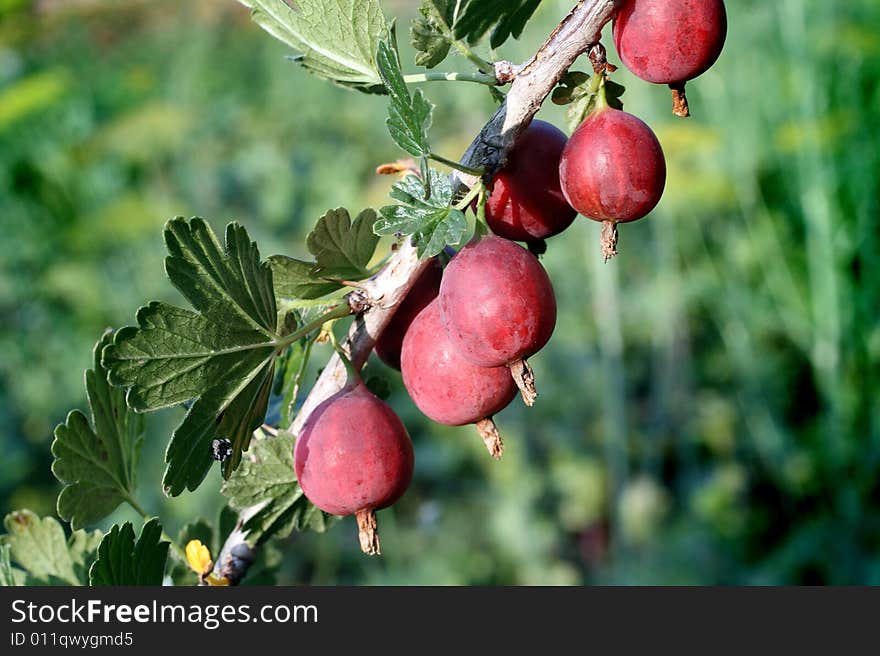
(534, 80)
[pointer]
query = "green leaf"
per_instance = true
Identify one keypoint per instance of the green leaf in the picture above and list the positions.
(433, 222)
(122, 561)
(426, 34)
(343, 248)
(6, 577)
(38, 547)
(335, 39)
(96, 462)
(264, 569)
(379, 386)
(294, 368)
(409, 116)
(222, 355)
(582, 91)
(296, 279)
(509, 18)
(267, 478)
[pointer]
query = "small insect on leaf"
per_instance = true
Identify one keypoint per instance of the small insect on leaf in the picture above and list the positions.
(221, 449)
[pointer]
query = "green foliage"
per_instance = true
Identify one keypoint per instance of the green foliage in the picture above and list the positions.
(380, 386)
(443, 21)
(297, 279)
(429, 33)
(7, 578)
(335, 39)
(506, 18)
(731, 356)
(41, 552)
(433, 222)
(268, 479)
(342, 249)
(291, 370)
(121, 561)
(223, 354)
(97, 462)
(409, 115)
(582, 91)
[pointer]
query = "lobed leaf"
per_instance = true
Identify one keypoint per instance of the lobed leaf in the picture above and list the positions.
(42, 553)
(97, 462)
(268, 479)
(122, 561)
(343, 248)
(427, 36)
(432, 222)
(222, 356)
(409, 116)
(508, 17)
(296, 279)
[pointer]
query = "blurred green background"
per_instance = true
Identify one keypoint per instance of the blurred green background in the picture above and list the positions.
(709, 403)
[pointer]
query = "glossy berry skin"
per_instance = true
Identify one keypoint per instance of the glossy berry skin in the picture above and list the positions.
(496, 303)
(446, 387)
(526, 203)
(353, 454)
(423, 291)
(613, 168)
(670, 41)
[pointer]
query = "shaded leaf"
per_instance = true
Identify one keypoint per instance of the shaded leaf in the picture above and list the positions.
(267, 477)
(582, 92)
(221, 355)
(508, 17)
(97, 461)
(295, 362)
(334, 39)
(122, 561)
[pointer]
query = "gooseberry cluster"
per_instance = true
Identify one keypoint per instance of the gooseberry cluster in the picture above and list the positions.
(462, 335)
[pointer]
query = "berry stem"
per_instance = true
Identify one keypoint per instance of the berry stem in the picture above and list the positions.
(368, 532)
(609, 239)
(679, 100)
(354, 376)
(491, 437)
(601, 96)
(474, 192)
(524, 378)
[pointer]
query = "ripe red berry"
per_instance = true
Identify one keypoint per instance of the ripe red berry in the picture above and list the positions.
(423, 291)
(612, 170)
(670, 41)
(446, 387)
(497, 305)
(354, 456)
(526, 203)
